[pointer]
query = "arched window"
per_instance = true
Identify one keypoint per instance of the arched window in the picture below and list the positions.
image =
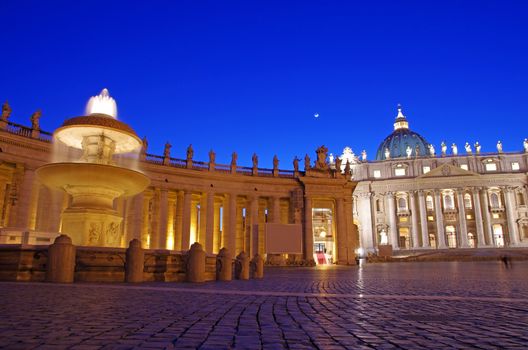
(429, 202)
(520, 198)
(402, 204)
(448, 201)
(451, 236)
(494, 200)
(467, 201)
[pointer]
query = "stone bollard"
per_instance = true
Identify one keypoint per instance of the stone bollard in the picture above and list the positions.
(224, 265)
(257, 267)
(134, 264)
(196, 263)
(61, 260)
(242, 266)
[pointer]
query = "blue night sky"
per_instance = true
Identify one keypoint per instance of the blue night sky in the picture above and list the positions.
(248, 76)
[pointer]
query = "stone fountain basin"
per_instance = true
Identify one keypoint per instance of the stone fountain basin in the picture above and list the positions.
(92, 177)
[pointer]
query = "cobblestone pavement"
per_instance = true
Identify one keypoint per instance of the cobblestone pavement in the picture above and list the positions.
(470, 305)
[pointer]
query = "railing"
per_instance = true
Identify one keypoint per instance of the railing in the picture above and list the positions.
(18, 129)
(223, 168)
(177, 163)
(244, 170)
(197, 165)
(152, 158)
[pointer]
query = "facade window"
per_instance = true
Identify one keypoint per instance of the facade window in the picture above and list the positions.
(491, 167)
(429, 202)
(402, 204)
(430, 218)
(426, 169)
(515, 166)
(399, 171)
(377, 174)
(467, 201)
(464, 166)
(494, 200)
(520, 199)
(451, 236)
(448, 201)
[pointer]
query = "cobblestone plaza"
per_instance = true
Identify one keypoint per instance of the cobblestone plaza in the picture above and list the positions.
(445, 305)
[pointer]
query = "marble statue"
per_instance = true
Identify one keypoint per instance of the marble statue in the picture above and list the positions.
(467, 146)
(166, 151)
(307, 162)
(443, 147)
(408, 151)
(322, 153)
(35, 120)
(417, 150)
(525, 145)
(477, 147)
(6, 111)
(431, 150)
(234, 158)
(384, 238)
(364, 155)
(331, 158)
(190, 152)
(454, 149)
(212, 156)
(387, 153)
(347, 167)
(296, 164)
(275, 162)
(499, 146)
(338, 162)
(254, 159)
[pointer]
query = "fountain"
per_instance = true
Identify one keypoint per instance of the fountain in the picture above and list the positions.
(94, 180)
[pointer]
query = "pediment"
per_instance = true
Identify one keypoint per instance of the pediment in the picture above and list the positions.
(447, 170)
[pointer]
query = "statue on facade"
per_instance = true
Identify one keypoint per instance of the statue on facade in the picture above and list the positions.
(384, 238)
(467, 146)
(254, 159)
(477, 147)
(387, 153)
(144, 145)
(443, 147)
(190, 152)
(408, 151)
(432, 152)
(331, 158)
(6, 111)
(525, 145)
(454, 149)
(322, 153)
(364, 155)
(35, 119)
(307, 165)
(275, 162)
(234, 158)
(338, 162)
(166, 151)
(499, 146)
(417, 150)
(295, 164)
(347, 168)
(212, 156)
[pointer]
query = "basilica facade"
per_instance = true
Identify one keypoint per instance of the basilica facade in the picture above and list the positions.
(409, 198)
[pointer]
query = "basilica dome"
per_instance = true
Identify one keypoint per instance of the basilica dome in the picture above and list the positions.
(403, 142)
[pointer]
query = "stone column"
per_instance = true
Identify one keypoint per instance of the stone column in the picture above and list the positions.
(186, 220)
(414, 218)
(163, 218)
(341, 232)
(364, 214)
(135, 217)
(155, 223)
(391, 212)
(423, 220)
(209, 222)
(23, 214)
(308, 230)
(178, 222)
(488, 230)
(478, 219)
(231, 223)
(511, 216)
(217, 239)
(170, 220)
(439, 216)
(145, 238)
(462, 218)
(275, 214)
(253, 219)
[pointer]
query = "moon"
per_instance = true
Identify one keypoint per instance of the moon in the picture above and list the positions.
(316, 115)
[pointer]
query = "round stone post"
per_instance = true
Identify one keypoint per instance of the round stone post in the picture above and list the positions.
(242, 266)
(61, 260)
(135, 259)
(224, 269)
(257, 266)
(196, 263)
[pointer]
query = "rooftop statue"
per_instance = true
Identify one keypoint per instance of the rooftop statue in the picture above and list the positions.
(190, 152)
(307, 165)
(296, 164)
(417, 150)
(322, 153)
(144, 145)
(234, 158)
(212, 156)
(443, 147)
(35, 120)
(6, 111)
(431, 150)
(364, 155)
(499, 146)
(338, 162)
(454, 149)
(477, 147)
(166, 150)
(347, 167)
(254, 159)
(468, 148)
(387, 153)
(408, 151)
(275, 162)
(525, 145)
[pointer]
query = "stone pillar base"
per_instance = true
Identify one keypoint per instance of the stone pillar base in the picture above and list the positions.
(385, 251)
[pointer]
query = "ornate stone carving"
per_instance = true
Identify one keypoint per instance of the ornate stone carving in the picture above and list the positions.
(35, 120)
(6, 111)
(190, 152)
(322, 154)
(446, 170)
(307, 162)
